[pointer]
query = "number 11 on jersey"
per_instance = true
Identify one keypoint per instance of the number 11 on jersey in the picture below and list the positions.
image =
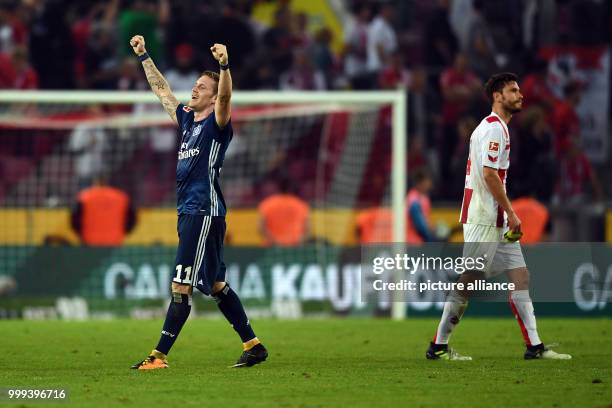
(187, 278)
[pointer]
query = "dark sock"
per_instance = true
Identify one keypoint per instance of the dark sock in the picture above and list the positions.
(229, 304)
(536, 347)
(178, 311)
(438, 347)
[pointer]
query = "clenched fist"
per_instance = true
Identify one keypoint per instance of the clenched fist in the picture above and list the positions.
(138, 45)
(219, 51)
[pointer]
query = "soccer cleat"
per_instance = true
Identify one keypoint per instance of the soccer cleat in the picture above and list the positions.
(443, 352)
(257, 354)
(542, 353)
(150, 363)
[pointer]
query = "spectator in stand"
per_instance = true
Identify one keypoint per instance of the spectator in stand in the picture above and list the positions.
(277, 41)
(233, 30)
(440, 37)
(394, 75)
(534, 88)
(459, 87)
(382, 40)
(355, 49)
(575, 172)
(301, 38)
(50, 39)
(323, 56)
(103, 215)
(284, 218)
(144, 18)
(565, 121)
(13, 32)
(480, 47)
(302, 75)
(7, 72)
(25, 76)
(130, 77)
(90, 19)
(456, 182)
(460, 13)
(88, 145)
(421, 114)
(102, 64)
(417, 160)
(183, 75)
(535, 162)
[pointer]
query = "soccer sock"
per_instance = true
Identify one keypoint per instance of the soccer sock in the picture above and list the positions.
(521, 305)
(231, 307)
(178, 311)
(454, 307)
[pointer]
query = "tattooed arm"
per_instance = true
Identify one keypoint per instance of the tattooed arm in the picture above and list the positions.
(223, 109)
(158, 83)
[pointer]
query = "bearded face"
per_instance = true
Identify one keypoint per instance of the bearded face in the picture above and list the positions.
(511, 98)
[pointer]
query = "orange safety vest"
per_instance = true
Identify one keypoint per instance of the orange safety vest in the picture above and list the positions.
(284, 217)
(412, 235)
(533, 216)
(375, 226)
(104, 212)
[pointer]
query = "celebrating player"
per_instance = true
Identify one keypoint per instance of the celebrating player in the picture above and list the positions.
(206, 133)
(490, 226)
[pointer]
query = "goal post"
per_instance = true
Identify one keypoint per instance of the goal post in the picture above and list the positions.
(305, 102)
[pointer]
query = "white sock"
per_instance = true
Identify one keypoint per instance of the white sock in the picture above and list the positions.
(454, 307)
(521, 305)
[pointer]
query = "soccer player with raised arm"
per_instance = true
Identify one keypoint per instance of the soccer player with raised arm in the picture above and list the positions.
(206, 131)
(490, 226)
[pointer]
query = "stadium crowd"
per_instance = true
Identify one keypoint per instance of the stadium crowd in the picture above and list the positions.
(440, 51)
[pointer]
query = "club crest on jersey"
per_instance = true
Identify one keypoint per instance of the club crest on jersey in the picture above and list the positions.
(197, 130)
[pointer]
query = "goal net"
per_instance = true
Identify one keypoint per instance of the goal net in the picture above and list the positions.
(340, 153)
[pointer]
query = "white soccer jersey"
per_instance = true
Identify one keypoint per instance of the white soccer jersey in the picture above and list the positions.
(490, 147)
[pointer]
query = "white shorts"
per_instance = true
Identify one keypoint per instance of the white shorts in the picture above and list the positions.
(488, 241)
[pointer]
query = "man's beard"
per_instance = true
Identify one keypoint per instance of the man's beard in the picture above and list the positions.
(512, 109)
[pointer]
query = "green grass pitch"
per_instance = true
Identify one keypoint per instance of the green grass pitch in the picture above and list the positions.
(312, 363)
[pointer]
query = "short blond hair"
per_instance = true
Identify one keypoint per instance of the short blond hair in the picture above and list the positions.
(214, 76)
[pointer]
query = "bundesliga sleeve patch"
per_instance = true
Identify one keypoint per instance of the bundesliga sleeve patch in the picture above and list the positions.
(493, 151)
(187, 109)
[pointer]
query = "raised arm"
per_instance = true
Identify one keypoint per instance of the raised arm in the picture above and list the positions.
(158, 83)
(223, 109)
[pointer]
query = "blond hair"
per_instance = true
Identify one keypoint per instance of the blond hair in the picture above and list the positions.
(214, 76)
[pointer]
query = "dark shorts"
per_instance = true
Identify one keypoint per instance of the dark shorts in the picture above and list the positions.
(199, 258)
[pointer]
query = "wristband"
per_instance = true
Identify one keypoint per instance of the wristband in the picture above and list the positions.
(224, 67)
(144, 57)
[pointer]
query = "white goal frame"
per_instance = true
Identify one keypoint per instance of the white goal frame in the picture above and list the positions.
(397, 99)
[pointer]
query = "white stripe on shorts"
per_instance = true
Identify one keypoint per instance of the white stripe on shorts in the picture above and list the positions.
(201, 247)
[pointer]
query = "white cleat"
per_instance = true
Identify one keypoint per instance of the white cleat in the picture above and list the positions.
(437, 353)
(553, 355)
(454, 356)
(544, 353)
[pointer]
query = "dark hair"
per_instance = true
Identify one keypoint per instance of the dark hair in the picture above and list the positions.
(214, 76)
(420, 175)
(497, 82)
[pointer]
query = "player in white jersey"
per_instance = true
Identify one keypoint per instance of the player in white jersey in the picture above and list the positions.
(490, 226)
